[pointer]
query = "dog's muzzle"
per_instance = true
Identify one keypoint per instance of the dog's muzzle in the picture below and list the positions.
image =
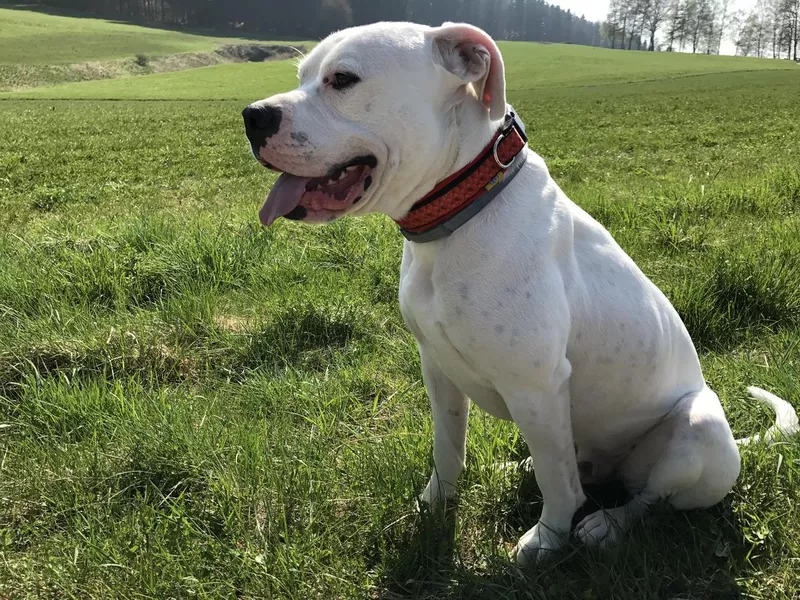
(261, 121)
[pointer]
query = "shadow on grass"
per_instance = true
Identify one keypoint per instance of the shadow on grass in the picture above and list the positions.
(670, 555)
(304, 336)
(150, 361)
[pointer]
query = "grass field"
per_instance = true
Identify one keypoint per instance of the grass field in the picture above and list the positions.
(30, 38)
(531, 68)
(194, 406)
(39, 49)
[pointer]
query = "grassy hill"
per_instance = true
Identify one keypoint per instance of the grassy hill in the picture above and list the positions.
(194, 406)
(40, 49)
(530, 66)
(32, 38)
(46, 54)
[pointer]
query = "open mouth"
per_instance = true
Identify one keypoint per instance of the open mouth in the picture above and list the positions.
(318, 198)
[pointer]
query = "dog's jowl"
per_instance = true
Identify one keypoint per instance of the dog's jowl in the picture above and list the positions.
(518, 299)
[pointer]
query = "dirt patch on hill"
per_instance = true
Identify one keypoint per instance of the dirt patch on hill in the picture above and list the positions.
(258, 52)
(16, 77)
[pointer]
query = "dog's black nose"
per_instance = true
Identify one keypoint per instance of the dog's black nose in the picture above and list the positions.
(260, 122)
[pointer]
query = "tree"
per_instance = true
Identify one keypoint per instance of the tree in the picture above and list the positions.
(335, 14)
(611, 27)
(656, 14)
(699, 23)
(709, 16)
(626, 19)
(675, 24)
(725, 23)
(771, 10)
(779, 19)
(790, 19)
(760, 24)
(747, 33)
(313, 19)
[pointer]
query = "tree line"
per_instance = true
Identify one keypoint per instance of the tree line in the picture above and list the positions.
(772, 26)
(534, 20)
(771, 29)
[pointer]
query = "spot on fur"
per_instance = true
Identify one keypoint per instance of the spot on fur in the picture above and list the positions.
(299, 137)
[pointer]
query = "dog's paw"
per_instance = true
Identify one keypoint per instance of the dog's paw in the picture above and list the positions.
(602, 528)
(436, 492)
(540, 543)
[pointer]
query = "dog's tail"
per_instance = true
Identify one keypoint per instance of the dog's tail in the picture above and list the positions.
(786, 422)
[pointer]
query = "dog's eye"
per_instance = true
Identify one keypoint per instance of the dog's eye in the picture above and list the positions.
(343, 81)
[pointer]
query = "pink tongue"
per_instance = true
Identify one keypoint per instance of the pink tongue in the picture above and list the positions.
(283, 198)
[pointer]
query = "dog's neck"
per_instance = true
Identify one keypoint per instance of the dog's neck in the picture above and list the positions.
(470, 131)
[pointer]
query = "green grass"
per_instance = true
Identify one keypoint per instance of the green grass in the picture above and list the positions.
(531, 68)
(196, 406)
(38, 49)
(31, 38)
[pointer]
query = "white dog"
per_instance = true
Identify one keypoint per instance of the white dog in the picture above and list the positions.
(519, 300)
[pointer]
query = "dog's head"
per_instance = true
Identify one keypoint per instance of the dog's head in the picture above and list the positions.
(372, 125)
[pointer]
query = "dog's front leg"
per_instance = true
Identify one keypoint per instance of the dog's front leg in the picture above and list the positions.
(450, 410)
(542, 413)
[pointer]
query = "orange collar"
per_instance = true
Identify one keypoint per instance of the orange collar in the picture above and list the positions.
(461, 196)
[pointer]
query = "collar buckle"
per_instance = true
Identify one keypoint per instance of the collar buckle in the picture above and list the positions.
(500, 163)
(512, 121)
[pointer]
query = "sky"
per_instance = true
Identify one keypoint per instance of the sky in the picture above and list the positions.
(595, 10)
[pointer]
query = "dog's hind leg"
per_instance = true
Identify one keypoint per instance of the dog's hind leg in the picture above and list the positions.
(689, 460)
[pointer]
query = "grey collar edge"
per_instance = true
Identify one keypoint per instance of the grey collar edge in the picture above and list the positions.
(447, 228)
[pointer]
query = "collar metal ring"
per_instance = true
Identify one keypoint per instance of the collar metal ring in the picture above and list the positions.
(500, 138)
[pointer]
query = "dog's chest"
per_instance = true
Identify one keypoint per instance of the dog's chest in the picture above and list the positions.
(442, 316)
(431, 317)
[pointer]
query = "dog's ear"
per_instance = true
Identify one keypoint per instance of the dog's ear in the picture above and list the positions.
(470, 54)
